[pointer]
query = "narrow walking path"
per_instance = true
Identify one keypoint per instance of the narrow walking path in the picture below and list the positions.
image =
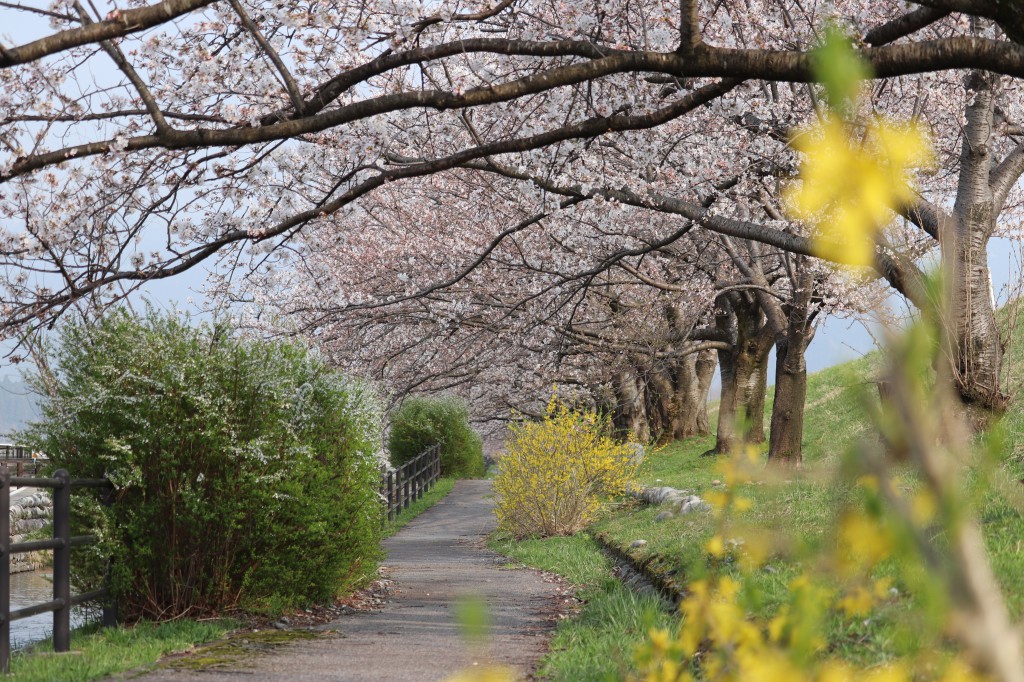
(435, 560)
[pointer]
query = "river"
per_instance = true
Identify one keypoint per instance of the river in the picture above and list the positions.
(34, 587)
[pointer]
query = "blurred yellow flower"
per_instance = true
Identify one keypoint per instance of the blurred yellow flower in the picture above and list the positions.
(849, 187)
(715, 546)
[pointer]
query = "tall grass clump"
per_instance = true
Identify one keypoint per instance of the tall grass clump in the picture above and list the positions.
(244, 471)
(419, 423)
(556, 471)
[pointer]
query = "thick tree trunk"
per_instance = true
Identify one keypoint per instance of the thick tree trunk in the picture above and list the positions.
(744, 371)
(677, 396)
(707, 361)
(786, 445)
(660, 402)
(630, 416)
(977, 351)
(757, 393)
(727, 436)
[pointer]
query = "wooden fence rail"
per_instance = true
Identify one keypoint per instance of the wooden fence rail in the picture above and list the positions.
(408, 482)
(20, 459)
(61, 544)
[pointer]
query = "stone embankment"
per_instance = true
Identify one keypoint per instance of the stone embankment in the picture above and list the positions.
(31, 510)
(636, 566)
(681, 501)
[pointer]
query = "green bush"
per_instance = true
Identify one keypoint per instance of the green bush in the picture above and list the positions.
(419, 423)
(245, 472)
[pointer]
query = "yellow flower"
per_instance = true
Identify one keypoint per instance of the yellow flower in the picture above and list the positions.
(960, 671)
(849, 188)
(837, 671)
(894, 672)
(863, 542)
(923, 507)
(743, 504)
(659, 638)
(857, 603)
(715, 546)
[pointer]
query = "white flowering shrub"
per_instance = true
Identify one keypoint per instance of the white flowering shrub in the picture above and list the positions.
(245, 471)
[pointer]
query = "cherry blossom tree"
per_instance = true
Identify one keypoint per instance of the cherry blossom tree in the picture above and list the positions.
(144, 141)
(563, 297)
(207, 110)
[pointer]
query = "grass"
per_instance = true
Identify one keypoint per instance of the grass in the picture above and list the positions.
(98, 653)
(803, 508)
(429, 499)
(597, 644)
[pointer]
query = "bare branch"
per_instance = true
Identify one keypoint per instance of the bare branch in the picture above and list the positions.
(904, 25)
(289, 82)
(119, 23)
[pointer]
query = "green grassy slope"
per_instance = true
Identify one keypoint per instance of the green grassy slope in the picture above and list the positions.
(804, 507)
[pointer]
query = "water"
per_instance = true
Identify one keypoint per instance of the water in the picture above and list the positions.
(34, 587)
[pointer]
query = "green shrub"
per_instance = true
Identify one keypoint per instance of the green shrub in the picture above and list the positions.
(245, 472)
(419, 423)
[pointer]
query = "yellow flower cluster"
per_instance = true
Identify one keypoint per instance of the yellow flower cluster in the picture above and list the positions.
(555, 472)
(719, 642)
(849, 186)
(718, 639)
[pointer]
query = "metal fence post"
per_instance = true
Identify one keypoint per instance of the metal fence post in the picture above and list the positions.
(5, 570)
(418, 478)
(421, 469)
(391, 496)
(405, 482)
(398, 490)
(62, 562)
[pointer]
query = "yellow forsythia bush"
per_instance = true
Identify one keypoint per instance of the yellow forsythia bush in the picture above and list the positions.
(556, 471)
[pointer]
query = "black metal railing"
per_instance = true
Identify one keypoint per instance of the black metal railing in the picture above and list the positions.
(408, 482)
(61, 484)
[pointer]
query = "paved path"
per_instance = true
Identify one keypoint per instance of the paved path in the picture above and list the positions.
(436, 559)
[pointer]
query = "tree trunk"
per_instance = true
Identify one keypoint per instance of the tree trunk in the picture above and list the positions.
(630, 416)
(976, 354)
(706, 362)
(727, 437)
(744, 371)
(677, 396)
(756, 394)
(786, 445)
(978, 351)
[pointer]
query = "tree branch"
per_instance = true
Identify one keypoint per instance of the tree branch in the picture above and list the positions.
(904, 25)
(119, 23)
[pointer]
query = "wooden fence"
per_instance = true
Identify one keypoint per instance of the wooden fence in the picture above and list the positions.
(408, 482)
(398, 488)
(20, 460)
(61, 544)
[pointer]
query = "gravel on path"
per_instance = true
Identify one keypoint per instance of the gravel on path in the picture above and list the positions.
(436, 560)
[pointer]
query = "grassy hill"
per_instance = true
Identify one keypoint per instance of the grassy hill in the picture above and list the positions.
(804, 507)
(614, 620)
